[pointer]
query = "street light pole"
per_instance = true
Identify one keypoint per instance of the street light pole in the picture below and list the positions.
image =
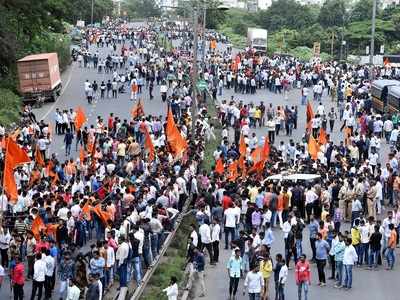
(194, 74)
(203, 43)
(372, 46)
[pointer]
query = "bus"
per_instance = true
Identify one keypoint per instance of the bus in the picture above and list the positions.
(380, 92)
(392, 60)
(394, 99)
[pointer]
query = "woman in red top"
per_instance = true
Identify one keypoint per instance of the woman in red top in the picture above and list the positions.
(18, 279)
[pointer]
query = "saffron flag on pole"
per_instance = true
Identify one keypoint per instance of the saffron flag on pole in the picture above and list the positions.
(80, 118)
(242, 146)
(81, 155)
(37, 226)
(14, 156)
(266, 149)
(39, 157)
(219, 167)
(148, 144)
(313, 147)
(174, 138)
(233, 171)
(103, 215)
(310, 116)
(322, 138)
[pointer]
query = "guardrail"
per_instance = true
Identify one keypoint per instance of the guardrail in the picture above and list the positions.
(139, 291)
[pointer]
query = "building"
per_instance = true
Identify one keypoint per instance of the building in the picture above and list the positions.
(386, 3)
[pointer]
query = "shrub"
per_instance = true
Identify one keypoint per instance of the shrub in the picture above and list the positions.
(10, 105)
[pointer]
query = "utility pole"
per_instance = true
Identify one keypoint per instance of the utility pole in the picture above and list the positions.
(91, 15)
(372, 46)
(194, 73)
(203, 42)
(332, 41)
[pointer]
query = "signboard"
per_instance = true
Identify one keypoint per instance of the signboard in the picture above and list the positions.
(317, 49)
(80, 23)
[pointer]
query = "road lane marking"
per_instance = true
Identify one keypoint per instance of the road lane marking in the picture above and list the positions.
(62, 92)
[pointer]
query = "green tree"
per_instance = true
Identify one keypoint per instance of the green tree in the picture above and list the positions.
(332, 13)
(287, 14)
(362, 10)
(141, 8)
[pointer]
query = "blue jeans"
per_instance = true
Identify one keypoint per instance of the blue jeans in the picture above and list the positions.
(300, 287)
(363, 255)
(123, 273)
(299, 248)
(390, 257)
(348, 276)
(109, 276)
(373, 258)
(281, 291)
(137, 266)
(339, 271)
(154, 244)
(254, 296)
(228, 230)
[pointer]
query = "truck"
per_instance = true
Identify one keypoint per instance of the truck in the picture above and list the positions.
(39, 78)
(257, 39)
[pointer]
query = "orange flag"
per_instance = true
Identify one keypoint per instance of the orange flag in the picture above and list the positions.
(81, 155)
(39, 157)
(257, 167)
(322, 138)
(219, 167)
(242, 146)
(103, 215)
(148, 144)
(175, 140)
(257, 155)
(37, 227)
(51, 229)
(310, 115)
(137, 110)
(86, 211)
(266, 149)
(313, 147)
(347, 135)
(80, 117)
(14, 156)
(233, 171)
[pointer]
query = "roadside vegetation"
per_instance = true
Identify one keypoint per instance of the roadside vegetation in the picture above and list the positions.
(30, 29)
(293, 28)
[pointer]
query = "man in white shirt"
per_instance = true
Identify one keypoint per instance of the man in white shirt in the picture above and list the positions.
(50, 267)
(73, 291)
(349, 258)
(110, 262)
(215, 233)
(231, 219)
(194, 235)
(205, 238)
(39, 276)
(254, 282)
(122, 258)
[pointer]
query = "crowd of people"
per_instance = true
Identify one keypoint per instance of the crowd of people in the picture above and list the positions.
(124, 188)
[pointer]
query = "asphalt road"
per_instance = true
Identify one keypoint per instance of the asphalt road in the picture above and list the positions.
(367, 285)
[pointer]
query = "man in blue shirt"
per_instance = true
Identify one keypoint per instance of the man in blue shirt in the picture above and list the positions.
(234, 267)
(322, 251)
(199, 263)
(313, 229)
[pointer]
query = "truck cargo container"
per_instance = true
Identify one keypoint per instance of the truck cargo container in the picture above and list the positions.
(39, 77)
